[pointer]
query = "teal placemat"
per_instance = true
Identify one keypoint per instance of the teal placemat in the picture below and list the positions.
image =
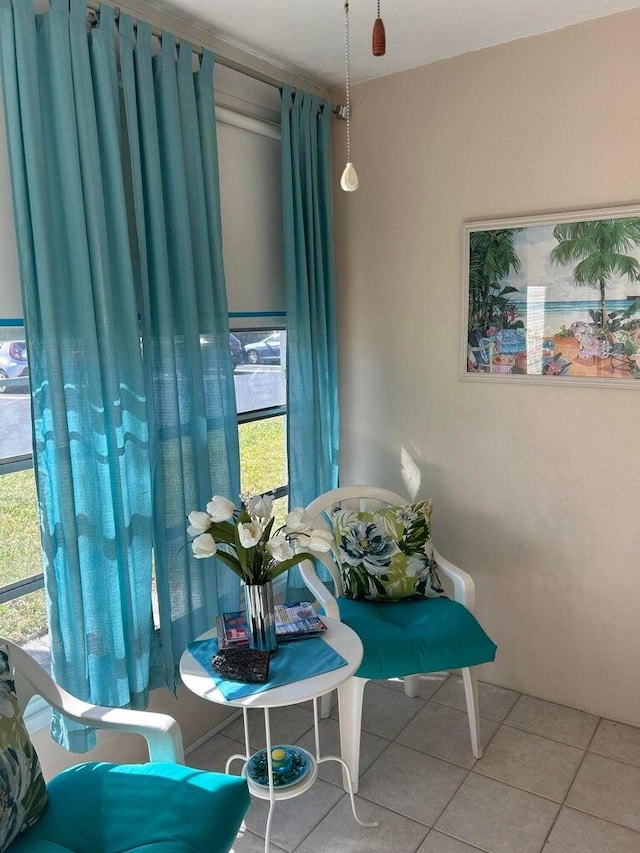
(295, 660)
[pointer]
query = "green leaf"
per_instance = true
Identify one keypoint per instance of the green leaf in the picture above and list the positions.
(223, 531)
(242, 552)
(267, 531)
(231, 562)
(285, 565)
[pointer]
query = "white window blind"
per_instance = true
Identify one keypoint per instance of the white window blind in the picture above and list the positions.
(10, 300)
(248, 115)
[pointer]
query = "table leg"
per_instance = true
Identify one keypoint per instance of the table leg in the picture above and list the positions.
(350, 695)
(346, 772)
(239, 757)
(272, 801)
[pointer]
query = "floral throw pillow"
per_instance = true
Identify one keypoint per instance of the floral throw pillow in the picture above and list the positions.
(23, 793)
(387, 554)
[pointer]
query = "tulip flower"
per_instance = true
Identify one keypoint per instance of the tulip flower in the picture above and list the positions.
(249, 534)
(220, 509)
(279, 548)
(204, 546)
(199, 522)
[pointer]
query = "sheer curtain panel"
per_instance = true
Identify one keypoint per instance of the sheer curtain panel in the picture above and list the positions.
(91, 430)
(172, 138)
(117, 210)
(312, 422)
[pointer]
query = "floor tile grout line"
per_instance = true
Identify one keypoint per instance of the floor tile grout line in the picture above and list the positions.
(603, 819)
(467, 771)
(613, 758)
(519, 788)
(317, 824)
(561, 804)
(579, 767)
(547, 737)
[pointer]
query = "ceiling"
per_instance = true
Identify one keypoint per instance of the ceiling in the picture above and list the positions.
(306, 37)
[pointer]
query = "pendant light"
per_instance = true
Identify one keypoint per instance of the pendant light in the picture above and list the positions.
(349, 180)
(378, 39)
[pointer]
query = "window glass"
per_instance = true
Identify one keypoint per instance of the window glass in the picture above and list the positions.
(262, 455)
(15, 408)
(263, 459)
(23, 619)
(259, 369)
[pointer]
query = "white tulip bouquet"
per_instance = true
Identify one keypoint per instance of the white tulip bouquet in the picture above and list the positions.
(245, 540)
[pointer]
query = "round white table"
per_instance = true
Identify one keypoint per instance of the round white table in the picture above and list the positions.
(341, 638)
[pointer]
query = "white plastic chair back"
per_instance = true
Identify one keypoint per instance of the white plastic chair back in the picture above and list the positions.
(359, 498)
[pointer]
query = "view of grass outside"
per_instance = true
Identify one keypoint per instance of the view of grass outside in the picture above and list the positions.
(263, 467)
(263, 460)
(24, 618)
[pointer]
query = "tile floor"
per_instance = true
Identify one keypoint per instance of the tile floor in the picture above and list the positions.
(552, 779)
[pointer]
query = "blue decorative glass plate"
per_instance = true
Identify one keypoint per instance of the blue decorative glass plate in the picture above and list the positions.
(297, 762)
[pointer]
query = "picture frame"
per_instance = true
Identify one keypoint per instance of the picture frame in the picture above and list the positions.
(553, 298)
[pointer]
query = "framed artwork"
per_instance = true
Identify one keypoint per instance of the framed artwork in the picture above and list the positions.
(553, 298)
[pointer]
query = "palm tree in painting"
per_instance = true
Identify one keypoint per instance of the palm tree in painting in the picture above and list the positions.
(492, 257)
(600, 248)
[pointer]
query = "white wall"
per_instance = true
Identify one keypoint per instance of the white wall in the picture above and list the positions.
(536, 488)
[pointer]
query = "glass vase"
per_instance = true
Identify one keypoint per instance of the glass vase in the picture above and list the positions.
(261, 624)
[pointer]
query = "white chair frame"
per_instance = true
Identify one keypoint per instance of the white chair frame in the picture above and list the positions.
(162, 732)
(366, 498)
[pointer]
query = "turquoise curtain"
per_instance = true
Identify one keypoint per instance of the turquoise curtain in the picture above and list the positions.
(172, 138)
(91, 432)
(126, 322)
(312, 375)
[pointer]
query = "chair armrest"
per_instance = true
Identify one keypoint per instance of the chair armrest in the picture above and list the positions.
(464, 588)
(162, 732)
(320, 591)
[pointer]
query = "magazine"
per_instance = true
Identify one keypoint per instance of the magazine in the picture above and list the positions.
(294, 620)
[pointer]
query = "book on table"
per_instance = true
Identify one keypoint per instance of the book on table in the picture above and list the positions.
(294, 621)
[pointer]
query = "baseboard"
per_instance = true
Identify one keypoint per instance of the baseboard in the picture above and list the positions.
(216, 730)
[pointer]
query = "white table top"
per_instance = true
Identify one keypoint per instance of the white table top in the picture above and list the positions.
(339, 636)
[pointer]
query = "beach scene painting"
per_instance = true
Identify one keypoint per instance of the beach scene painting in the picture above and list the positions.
(554, 297)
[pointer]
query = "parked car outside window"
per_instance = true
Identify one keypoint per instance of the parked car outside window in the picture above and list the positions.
(237, 350)
(13, 366)
(266, 351)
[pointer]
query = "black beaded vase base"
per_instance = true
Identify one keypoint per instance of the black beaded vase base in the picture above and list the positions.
(242, 664)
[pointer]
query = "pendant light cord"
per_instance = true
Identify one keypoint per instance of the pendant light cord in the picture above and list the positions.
(347, 57)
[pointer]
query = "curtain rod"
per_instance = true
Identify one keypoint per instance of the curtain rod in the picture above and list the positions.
(263, 75)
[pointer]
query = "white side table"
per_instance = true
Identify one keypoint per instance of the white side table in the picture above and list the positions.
(347, 643)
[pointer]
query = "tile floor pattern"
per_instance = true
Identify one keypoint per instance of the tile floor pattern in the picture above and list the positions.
(552, 779)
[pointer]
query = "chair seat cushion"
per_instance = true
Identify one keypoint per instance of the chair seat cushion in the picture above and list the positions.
(408, 637)
(138, 808)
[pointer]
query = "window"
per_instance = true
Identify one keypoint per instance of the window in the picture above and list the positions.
(248, 124)
(260, 382)
(248, 114)
(22, 605)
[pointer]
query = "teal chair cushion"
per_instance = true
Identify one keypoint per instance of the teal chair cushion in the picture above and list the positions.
(407, 637)
(138, 808)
